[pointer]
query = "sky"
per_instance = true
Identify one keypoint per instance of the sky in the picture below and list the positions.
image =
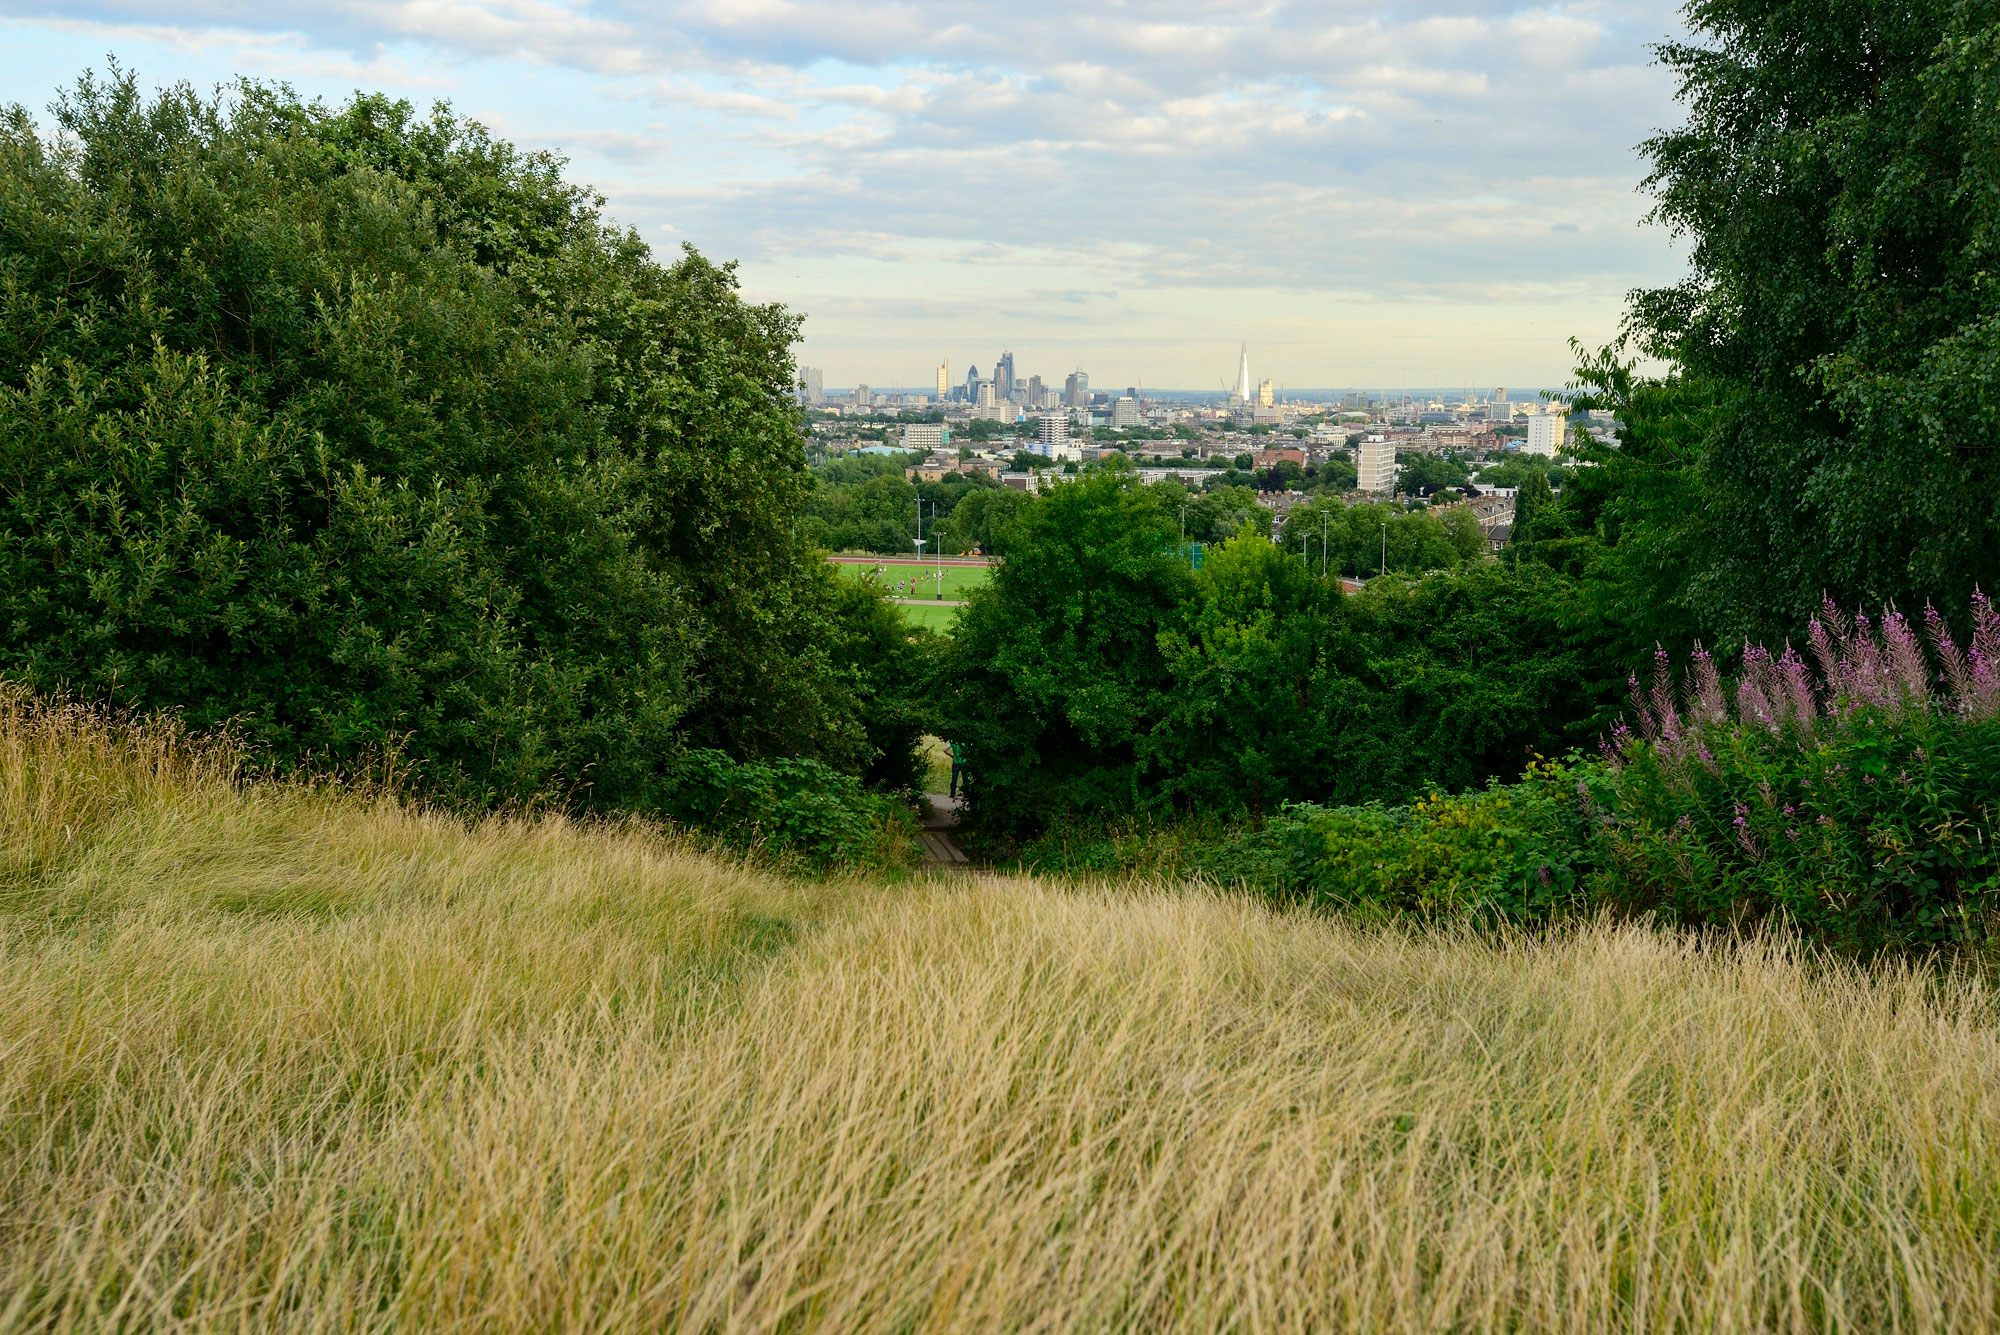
(1431, 193)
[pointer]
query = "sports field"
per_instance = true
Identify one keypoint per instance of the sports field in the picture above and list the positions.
(916, 580)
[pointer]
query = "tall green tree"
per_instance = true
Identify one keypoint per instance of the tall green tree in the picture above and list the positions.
(354, 427)
(1838, 186)
(1533, 505)
(1055, 669)
(1245, 725)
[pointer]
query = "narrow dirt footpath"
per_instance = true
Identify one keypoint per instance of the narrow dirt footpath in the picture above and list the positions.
(938, 843)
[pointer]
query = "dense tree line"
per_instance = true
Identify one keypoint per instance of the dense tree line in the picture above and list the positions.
(353, 427)
(864, 503)
(1102, 673)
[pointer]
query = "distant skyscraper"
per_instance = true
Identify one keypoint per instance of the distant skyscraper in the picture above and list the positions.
(861, 397)
(1243, 376)
(972, 384)
(1124, 411)
(812, 384)
(1076, 390)
(1265, 396)
(1036, 395)
(1003, 376)
(944, 379)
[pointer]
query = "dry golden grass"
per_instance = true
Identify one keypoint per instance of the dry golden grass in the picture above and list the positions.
(273, 1057)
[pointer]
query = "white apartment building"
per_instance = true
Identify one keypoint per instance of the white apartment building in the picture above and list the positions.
(1124, 411)
(924, 436)
(1052, 438)
(1547, 434)
(1375, 465)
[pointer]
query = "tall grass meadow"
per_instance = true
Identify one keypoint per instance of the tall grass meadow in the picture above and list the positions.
(285, 1056)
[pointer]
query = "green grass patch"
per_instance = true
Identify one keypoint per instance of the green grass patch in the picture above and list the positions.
(940, 617)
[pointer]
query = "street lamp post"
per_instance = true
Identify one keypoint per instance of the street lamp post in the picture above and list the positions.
(1385, 549)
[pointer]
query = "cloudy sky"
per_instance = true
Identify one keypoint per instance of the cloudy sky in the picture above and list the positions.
(1437, 192)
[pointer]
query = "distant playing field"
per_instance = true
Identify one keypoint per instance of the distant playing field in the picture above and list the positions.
(908, 579)
(918, 581)
(934, 616)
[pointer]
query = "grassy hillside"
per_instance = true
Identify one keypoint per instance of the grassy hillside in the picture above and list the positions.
(288, 1057)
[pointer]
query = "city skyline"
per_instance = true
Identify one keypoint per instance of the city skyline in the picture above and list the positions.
(946, 383)
(1448, 189)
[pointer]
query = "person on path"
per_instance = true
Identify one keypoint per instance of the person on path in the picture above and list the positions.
(957, 767)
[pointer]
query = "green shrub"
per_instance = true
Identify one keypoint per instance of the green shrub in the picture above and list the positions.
(797, 806)
(1860, 806)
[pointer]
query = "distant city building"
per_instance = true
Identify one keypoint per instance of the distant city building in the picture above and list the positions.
(862, 398)
(972, 384)
(1242, 394)
(1076, 390)
(1547, 434)
(986, 395)
(1003, 376)
(1037, 396)
(1052, 438)
(812, 384)
(925, 436)
(1375, 465)
(1125, 411)
(1265, 396)
(944, 379)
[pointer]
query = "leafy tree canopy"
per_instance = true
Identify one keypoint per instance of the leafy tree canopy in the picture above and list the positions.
(1836, 341)
(354, 427)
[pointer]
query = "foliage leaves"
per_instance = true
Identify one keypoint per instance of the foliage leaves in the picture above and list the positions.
(1838, 186)
(358, 429)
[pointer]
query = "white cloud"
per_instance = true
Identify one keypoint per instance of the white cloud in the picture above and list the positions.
(1465, 156)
